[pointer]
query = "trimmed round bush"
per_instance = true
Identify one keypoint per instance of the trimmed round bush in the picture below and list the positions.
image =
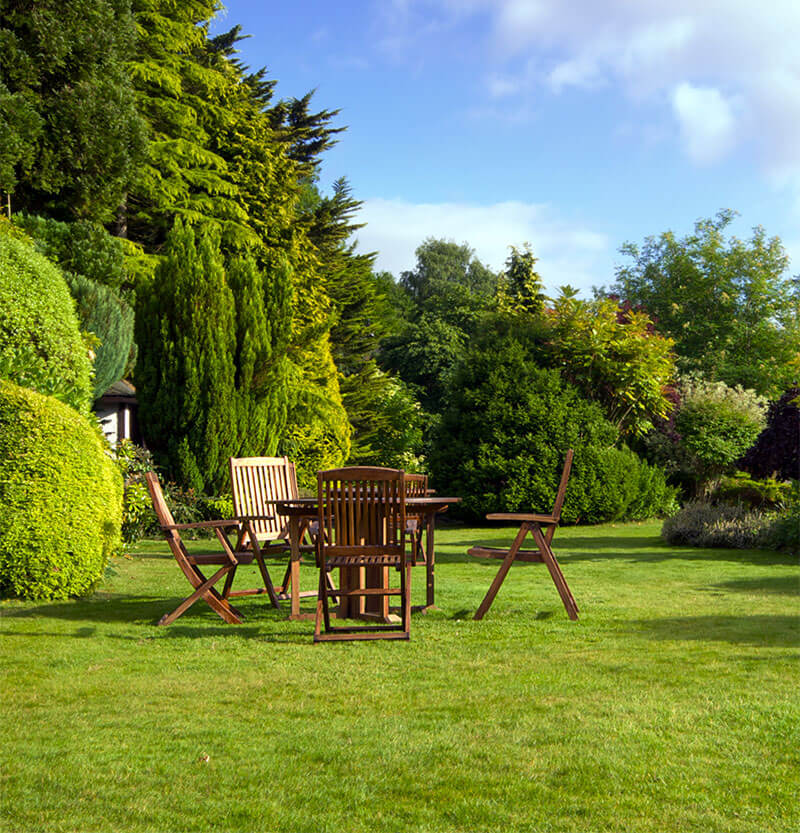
(41, 346)
(60, 498)
(504, 432)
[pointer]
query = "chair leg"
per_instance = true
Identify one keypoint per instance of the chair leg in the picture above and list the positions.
(265, 576)
(219, 605)
(320, 602)
(287, 579)
(555, 572)
(226, 590)
(407, 600)
(502, 573)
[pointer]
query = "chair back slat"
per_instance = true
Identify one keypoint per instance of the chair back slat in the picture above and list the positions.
(362, 510)
(256, 483)
(562, 486)
(416, 485)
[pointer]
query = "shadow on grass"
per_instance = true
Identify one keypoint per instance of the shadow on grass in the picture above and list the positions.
(638, 549)
(773, 585)
(140, 610)
(761, 630)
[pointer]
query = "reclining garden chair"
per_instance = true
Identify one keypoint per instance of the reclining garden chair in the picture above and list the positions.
(257, 484)
(227, 560)
(542, 528)
(362, 531)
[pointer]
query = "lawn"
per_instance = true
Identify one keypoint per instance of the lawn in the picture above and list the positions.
(672, 705)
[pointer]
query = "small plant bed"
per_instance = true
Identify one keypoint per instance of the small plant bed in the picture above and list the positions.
(671, 704)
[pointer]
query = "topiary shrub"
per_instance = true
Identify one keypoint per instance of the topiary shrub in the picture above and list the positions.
(41, 346)
(502, 437)
(60, 498)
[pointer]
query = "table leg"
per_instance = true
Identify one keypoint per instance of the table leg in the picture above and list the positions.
(430, 559)
(294, 550)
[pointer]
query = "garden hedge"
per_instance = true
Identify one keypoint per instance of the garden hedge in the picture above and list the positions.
(60, 498)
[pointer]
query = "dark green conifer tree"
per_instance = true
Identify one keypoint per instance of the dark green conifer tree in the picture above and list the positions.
(186, 376)
(70, 135)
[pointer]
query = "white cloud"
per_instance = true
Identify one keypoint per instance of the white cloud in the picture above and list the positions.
(568, 253)
(706, 122)
(653, 51)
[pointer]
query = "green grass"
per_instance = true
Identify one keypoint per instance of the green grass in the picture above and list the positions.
(672, 705)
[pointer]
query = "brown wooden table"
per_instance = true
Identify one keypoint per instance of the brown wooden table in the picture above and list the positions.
(301, 509)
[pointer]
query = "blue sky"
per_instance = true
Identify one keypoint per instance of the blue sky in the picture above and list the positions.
(569, 124)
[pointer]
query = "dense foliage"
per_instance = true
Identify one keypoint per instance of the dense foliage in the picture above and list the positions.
(41, 346)
(70, 133)
(60, 498)
(94, 265)
(614, 356)
(716, 424)
(161, 175)
(777, 449)
(186, 373)
(442, 299)
(730, 305)
(704, 524)
(504, 432)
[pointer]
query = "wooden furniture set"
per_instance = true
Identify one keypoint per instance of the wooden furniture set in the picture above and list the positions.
(366, 522)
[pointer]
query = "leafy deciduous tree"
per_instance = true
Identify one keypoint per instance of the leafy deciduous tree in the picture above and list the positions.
(728, 304)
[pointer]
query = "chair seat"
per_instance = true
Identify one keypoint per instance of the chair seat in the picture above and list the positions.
(495, 552)
(519, 517)
(242, 556)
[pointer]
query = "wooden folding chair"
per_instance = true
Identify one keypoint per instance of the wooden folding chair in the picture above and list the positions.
(362, 528)
(416, 486)
(542, 528)
(227, 560)
(257, 484)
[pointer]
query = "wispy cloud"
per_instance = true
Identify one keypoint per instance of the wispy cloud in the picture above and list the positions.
(738, 57)
(567, 252)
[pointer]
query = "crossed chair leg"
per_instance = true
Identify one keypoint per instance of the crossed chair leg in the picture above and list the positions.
(543, 554)
(204, 589)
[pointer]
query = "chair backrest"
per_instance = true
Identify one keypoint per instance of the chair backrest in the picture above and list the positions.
(165, 519)
(163, 514)
(256, 483)
(562, 486)
(362, 512)
(416, 485)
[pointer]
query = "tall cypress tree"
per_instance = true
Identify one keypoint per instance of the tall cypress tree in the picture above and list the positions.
(185, 329)
(260, 358)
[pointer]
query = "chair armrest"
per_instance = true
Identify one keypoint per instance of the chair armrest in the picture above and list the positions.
(256, 517)
(512, 516)
(204, 524)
